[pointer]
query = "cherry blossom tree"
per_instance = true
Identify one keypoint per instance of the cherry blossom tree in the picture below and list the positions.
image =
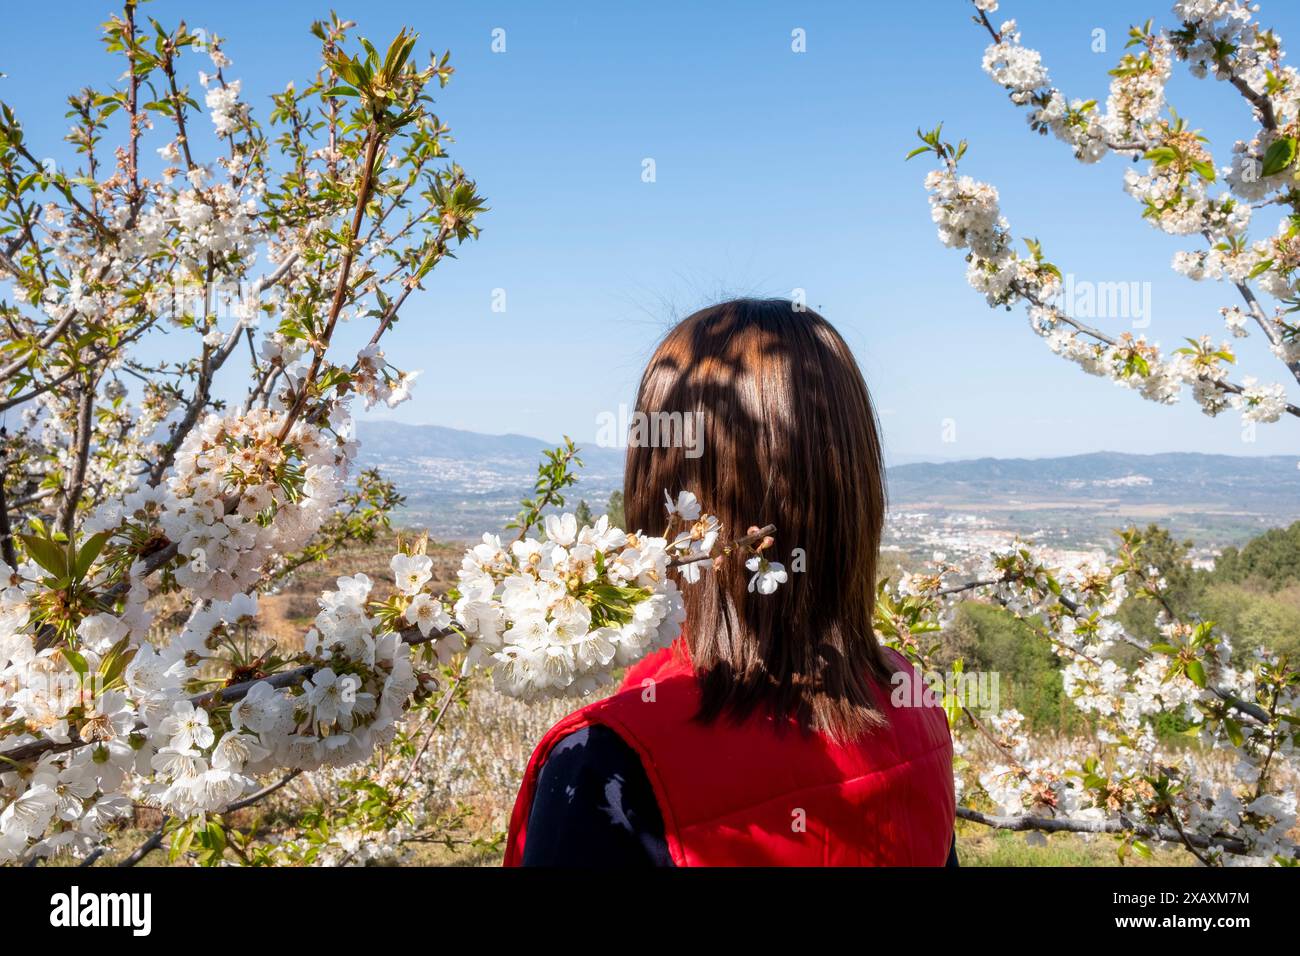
(142, 509)
(1127, 781)
(130, 478)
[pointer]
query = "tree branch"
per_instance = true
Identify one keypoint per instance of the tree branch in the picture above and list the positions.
(81, 453)
(1025, 821)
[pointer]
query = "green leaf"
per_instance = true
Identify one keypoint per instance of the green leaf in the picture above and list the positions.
(89, 552)
(1196, 673)
(1234, 731)
(46, 553)
(1279, 156)
(1160, 155)
(75, 661)
(181, 840)
(216, 835)
(1263, 266)
(116, 660)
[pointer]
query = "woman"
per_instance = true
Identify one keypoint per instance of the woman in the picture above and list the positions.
(768, 734)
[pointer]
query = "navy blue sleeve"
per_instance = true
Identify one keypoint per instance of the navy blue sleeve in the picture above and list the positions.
(594, 807)
(952, 853)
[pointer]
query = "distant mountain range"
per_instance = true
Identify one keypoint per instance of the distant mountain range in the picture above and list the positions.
(1264, 484)
(396, 442)
(460, 483)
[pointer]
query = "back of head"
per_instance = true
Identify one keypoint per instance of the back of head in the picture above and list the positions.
(786, 434)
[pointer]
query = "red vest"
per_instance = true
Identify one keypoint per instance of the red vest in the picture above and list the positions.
(744, 795)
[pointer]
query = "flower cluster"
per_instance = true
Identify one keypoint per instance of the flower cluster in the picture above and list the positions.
(554, 616)
(377, 382)
(969, 217)
(1136, 97)
(243, 491)
(146, 735)
(43, 693)
(1018, 68)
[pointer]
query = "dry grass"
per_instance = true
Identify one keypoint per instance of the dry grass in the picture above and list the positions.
(286, 614)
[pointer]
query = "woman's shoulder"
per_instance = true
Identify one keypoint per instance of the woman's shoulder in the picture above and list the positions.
(593, 745)
(594, 805)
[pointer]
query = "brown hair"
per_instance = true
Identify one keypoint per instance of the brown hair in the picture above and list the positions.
(789, 438)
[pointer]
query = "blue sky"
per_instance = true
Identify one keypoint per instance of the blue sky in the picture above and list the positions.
(775, 170)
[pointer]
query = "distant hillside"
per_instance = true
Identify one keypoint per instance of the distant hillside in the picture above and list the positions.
(392, 441)
(1265, 485)
(461, 483)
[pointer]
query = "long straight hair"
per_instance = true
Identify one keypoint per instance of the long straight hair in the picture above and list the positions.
(788, 436)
